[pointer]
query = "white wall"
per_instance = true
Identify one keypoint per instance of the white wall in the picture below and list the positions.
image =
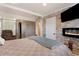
(51, 28)
(9, 25)
(10, 16)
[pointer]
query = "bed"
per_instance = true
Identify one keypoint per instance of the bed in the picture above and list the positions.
(30, 47)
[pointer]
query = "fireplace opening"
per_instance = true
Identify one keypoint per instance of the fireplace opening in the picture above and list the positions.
(70, 32)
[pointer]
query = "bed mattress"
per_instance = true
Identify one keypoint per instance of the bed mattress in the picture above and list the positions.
(23, 47)
(28, 47)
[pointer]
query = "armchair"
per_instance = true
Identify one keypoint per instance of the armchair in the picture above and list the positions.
(8, 35)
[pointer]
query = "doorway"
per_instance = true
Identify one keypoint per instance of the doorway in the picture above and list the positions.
(25, 28)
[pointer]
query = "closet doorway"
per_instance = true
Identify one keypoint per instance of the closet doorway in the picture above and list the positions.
(25, 28)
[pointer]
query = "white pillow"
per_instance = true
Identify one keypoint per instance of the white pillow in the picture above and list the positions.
(2, 41)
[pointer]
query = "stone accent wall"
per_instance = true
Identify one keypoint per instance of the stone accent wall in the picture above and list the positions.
(73, 23)
(58, 23)
(68, 24)
(59, 29)
(38, 33)
(41, 26)
(44, 27)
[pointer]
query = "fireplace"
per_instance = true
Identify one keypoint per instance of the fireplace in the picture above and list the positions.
(71, 32)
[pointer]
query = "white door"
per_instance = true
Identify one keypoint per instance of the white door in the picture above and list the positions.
(51, 28)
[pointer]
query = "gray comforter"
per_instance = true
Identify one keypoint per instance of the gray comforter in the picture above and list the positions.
(46, 42)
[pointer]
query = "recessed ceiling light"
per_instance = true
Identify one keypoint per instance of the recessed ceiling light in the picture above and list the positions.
(44, 4)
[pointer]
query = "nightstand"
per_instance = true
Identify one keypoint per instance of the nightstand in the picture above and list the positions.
(70, 45)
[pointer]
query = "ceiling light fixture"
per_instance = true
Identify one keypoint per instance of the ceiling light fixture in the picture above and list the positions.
(44, 4)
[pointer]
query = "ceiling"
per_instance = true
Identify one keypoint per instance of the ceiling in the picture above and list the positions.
(33, 9)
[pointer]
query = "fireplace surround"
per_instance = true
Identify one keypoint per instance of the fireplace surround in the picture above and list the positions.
(71, 32)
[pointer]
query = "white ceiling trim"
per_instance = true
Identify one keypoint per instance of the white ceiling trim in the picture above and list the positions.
(4, 15)
(34, 13)
(20, 9)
